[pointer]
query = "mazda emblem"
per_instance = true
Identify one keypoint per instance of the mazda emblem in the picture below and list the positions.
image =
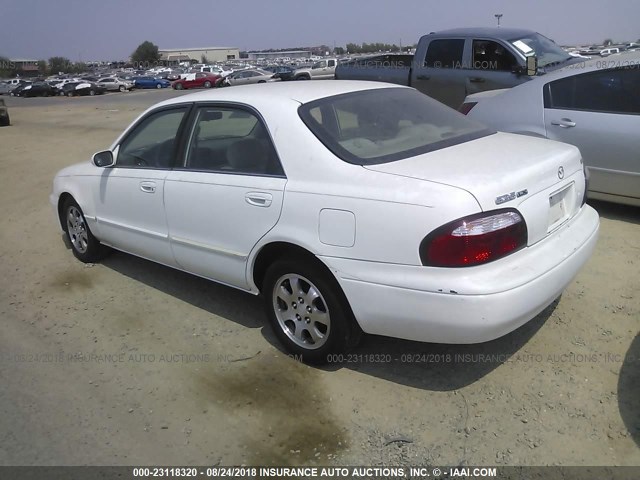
(561, 173)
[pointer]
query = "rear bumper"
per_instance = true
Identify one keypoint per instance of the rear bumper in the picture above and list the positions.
(467, 305)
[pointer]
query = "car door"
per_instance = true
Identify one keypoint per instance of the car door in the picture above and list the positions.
(130, 197)
(440, 74)
(226, 196)
(599, 112)
(492, 67)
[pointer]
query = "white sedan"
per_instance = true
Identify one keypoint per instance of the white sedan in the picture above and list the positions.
(351, 206)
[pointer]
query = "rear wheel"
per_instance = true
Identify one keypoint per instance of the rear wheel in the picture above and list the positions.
(70, 93)
(92, 92)
(84, 245)
(308, 311)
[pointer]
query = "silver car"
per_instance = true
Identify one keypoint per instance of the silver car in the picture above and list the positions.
(5, 88)
(594, 105)
(246, 77)
(114, 84)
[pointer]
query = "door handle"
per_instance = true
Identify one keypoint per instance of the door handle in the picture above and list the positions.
(564, 123)
(259, 199)
(423, 77)
(476, 80)
(148, 187)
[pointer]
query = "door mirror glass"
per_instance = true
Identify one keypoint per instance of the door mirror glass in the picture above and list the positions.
(103, 159)
(532, 65)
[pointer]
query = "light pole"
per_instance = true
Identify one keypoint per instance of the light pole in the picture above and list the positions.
(498, 16)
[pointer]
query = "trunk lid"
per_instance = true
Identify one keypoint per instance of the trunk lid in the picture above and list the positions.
(542, 179)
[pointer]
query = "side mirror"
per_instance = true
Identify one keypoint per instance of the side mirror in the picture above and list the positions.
(103, 159)
(532, 65)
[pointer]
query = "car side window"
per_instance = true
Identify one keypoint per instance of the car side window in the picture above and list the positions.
(444, 53)
(231, 140)
(490, 55)
(152, 142)
(607, 91)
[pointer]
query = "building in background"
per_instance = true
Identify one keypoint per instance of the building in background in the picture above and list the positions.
(284, 54)
(212, 54)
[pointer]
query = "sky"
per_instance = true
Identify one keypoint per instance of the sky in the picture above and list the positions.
(86, 30)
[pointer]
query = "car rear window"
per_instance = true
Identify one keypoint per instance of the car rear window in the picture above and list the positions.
(384, 125)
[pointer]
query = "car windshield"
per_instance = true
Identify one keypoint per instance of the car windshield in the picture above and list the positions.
(384, 125)
(545, 49)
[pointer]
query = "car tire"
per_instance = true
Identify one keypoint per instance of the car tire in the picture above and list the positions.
(207, 84)
(70, 93)
(303, 77)
(4, 120)
(84, 245)
(262, 81)
(92, 92)
(308, 311)
(158, 85)
(122, 88)
(179, 86)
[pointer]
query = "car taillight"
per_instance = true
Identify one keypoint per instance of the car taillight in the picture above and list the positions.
(466, 107)
(475, 240)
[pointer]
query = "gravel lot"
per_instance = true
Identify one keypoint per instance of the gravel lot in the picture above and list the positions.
(127, 362)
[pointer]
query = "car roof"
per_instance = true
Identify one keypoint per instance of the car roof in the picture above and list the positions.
(494, 32)
(301, 92)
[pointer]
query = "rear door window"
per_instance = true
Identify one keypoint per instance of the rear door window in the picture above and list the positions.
(446, 53)
(610, 91)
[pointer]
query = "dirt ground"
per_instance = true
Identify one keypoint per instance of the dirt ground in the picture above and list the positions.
(127, 362)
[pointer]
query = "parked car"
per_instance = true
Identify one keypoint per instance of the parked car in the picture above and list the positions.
(196, 80)
(246, 77)
(74, 89)
(282, 72)
(609, 51)
(5, 88)
(35, 89)
(17, 83)
(451, 64)
(322, 70)
(60, 85)
(114, 84)
(150, 82)
(588, 105)
(351, 206)
(16, 91)
(4, 114)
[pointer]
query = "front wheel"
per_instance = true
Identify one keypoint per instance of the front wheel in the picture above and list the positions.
(179, 86)
(308, 311)
(84, 245)
(122, 88)
(158, 85)
(92, 92)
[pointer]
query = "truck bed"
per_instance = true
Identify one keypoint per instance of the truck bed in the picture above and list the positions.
(391, 68)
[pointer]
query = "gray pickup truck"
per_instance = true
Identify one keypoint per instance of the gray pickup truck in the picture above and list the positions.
(451, 64)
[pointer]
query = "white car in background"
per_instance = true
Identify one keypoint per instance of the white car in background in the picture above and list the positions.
(351, 206)
(594, 105)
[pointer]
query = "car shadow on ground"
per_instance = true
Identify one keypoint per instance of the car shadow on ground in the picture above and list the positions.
(428, 366)
(614, 211)
(629, 390)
